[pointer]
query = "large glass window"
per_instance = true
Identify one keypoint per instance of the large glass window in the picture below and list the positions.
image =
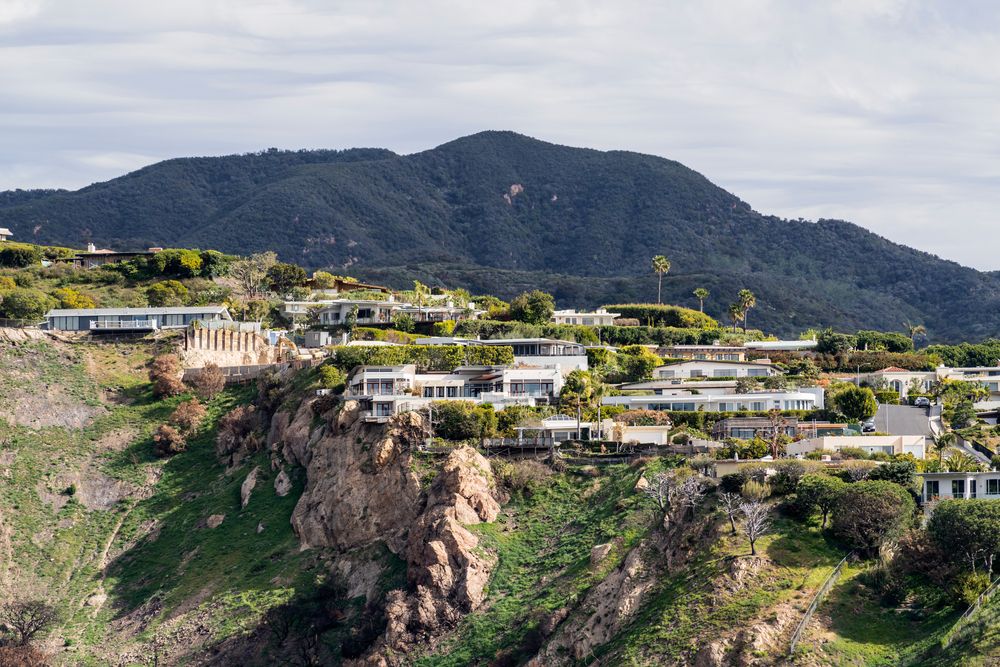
(993, 487)
(932, 489)
(958, 488)
(757, 372)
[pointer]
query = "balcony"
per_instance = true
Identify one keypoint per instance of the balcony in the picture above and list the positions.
(123, 325)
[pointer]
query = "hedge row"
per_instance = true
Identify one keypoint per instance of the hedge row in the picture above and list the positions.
(429, 357)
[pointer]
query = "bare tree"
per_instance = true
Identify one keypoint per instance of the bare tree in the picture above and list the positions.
(756, 522)
(731, 503)
(26, 618)
(659, 490)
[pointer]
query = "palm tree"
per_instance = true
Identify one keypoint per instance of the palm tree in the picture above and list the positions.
(914, 330)
(597, 391)
(943, 442)
(747, 300)
(736, 314)
(577, 391)
(661, 265)
(701, 294)
(959, 461)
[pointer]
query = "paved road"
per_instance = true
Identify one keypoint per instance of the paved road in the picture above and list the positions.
(902, 420)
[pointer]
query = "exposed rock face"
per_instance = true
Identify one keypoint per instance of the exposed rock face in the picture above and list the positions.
(359, 487)
(282, 484)
(361, 490)
(248, 486)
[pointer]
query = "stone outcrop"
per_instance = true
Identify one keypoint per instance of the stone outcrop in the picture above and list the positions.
(247, 487)
(282, 484)
(360, 488)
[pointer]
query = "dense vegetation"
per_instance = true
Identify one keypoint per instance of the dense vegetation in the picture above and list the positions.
(501, 213)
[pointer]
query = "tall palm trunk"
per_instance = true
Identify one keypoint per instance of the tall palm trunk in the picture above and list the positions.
(659, 287)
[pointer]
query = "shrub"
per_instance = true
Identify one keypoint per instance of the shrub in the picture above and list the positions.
(868, 514)
(856, 403)
(239, 431)
(898, 472)
(18, 255)
(731, 483)
(187, 416)
(967, 530)
(331, 377)
(23, 656)
(970, 585)
(208, 382)
(464, 420)
(787, 474)
(855, 471)
(70, 298)
(445, 328)
(168, 441)
(664, 316)
(522, 477)
(25, 304)
(164, 373)
(167, 293)
(7, 283)
(754, 490)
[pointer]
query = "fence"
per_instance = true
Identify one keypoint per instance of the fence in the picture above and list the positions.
(18, 324)
(820, 594)
(964, 625)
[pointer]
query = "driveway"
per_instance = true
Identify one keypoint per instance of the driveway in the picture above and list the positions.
(902, 420)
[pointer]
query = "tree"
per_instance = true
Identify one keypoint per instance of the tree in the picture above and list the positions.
(735, 312)
(959, 461)
(777, 424)
(208, 382)
(857, 403)
(661, 265)
(251, 274)
(403, 322)
(746, 300)
(167, 293)
(25, 304)
(25, 619)
(578, 392)
(282, 277)
(351, 319)
(819, 491)
(701, 294)
(914, 330)
(943, 442)
(534, 307)
(756, 522)
(870, 513)
(165, 374)
(968, 531)
(745, 385)
(730, 503)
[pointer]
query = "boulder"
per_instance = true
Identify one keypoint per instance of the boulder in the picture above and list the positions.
(599, 552)
(248, 486)
(282, 484)
(215, 520)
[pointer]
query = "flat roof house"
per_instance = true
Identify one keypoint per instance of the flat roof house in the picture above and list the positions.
(132, 319)
(947, 485)
(873, 444)
(704, 352)
(805, 398)
(598, 318)
(714, 369)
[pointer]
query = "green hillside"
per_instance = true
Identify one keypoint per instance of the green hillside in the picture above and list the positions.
(499, 209)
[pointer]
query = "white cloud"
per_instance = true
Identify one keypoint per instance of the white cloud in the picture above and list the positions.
(877, 112)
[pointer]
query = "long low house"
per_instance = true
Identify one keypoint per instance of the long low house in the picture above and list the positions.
(946, 485)
(873, 444)
(132, 319)
(335, 312)
(806, 398)
(704, 352)
(746, 428)
(565, 356)
(598, 318)
(704, 368)
(388, 390)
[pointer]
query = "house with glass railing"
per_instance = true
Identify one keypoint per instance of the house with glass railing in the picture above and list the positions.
(805, 398)
(98, 320)
(947, 485)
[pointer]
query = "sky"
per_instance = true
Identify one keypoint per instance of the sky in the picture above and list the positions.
(882, 112)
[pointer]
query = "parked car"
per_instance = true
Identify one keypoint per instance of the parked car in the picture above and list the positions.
(922, 402)
(868, 426)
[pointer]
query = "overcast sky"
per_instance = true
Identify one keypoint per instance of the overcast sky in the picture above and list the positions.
(882, 112)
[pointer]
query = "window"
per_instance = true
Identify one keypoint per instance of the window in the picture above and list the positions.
(697, 373)
(666, 374)
(428, 392)
(958, 488)
(452, 392)
(722, 373)
(383, 409)
(993, 487)
(932, 489)
(757, 372)
(439, 392)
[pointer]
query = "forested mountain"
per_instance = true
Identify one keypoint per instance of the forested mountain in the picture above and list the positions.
(498, 212)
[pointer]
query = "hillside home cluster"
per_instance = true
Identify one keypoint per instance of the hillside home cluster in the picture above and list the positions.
(906, 382)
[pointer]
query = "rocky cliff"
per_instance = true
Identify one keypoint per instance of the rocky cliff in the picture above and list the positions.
(362, 489)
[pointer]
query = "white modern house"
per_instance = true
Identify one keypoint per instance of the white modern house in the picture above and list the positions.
(388, 390)
(704, 352)
(947, 485)
(805, 398)
(903, 381)
(5, 234)
(561, 428)
(372, 311)
(132, 319)
(598, 318)
(780, 345)
(704, 369)
(873, 444)
(562, 355)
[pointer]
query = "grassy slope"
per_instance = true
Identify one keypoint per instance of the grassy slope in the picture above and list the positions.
(60, 553)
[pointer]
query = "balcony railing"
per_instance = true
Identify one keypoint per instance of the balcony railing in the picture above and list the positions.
(125, 325)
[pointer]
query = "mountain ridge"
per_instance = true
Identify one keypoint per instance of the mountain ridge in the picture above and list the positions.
(580, 222)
